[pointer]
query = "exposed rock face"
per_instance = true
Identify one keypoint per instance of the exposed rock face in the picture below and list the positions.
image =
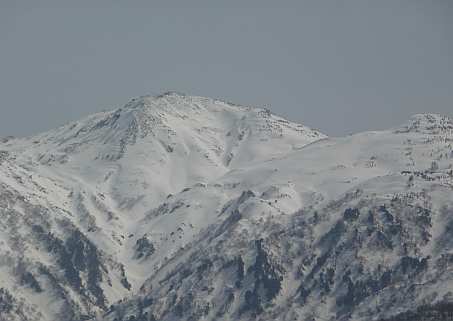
(437, 312)
(188, 208)
(144, 248)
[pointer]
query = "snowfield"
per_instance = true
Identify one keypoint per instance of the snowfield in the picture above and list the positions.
(188, 208)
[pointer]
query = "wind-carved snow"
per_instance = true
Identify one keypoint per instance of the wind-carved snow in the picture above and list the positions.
(188, 208)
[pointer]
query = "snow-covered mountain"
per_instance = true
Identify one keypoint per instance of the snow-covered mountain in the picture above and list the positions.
(188, 208)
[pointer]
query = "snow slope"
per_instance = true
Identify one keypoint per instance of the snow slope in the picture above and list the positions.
(101, 177)
(188, 208)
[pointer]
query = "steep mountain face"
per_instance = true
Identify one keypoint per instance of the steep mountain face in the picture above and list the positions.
(81, 206)
(187, 208)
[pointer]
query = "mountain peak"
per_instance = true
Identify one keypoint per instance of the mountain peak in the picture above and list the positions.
(222, 133)
(430, 117)
(428, 123)
(176, 207)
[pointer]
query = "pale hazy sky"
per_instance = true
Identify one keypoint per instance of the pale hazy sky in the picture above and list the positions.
(339, 66)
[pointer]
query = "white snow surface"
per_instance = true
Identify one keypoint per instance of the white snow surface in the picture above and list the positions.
(172, 169)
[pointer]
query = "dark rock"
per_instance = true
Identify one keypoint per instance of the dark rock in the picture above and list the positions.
(144, 248)
(351, 214)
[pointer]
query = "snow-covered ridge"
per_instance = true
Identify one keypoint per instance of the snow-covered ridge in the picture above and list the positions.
(167, 116)
(177, 207)
(430, 124)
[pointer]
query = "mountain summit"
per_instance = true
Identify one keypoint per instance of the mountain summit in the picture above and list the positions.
(177, 207)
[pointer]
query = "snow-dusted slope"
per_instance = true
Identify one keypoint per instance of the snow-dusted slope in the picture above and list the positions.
(87, 192)
(188, 208)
